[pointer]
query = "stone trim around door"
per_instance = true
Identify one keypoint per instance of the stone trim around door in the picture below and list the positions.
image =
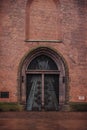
(62, 68)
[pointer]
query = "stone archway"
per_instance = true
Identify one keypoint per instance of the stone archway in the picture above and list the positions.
(61, 64)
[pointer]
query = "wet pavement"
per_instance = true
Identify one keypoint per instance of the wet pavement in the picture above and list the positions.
(43, 121)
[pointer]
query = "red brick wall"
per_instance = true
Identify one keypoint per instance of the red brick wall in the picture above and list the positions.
(73, 17)
(43, 21)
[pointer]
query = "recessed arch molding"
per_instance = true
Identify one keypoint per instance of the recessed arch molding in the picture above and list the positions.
(62, 67)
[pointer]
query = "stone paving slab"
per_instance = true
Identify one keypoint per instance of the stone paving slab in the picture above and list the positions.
(43, 121)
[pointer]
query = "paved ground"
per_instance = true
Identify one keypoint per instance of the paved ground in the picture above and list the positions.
(43, 121)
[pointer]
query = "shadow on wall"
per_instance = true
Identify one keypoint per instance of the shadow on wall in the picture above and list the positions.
(81, 3)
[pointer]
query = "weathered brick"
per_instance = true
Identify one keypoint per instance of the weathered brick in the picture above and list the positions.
(72, 29)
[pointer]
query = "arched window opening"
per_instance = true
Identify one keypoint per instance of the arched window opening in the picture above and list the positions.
(42, 62)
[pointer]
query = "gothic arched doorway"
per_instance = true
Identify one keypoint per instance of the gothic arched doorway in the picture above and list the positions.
(42, 84)
(44, 80)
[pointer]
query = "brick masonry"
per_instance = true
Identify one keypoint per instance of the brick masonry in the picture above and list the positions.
(72, 15)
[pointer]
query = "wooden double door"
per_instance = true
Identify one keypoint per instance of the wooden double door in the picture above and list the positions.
(42, 91)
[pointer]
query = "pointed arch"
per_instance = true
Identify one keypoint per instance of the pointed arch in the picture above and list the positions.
(43, 20)
(62, 67)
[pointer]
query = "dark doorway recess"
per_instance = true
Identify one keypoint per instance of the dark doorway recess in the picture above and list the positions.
(42, 84)
(43, 81)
